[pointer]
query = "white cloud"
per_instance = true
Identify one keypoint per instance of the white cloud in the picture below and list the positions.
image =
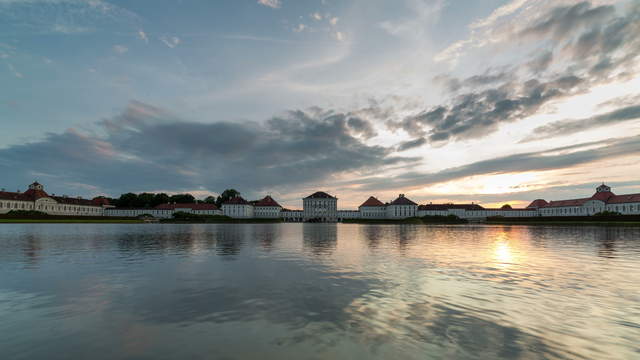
(143, 36)
(120, 49)
(171, 42)
(270, 3)
(300, 28)
(334, 21)
(316, 16)
(339, 36)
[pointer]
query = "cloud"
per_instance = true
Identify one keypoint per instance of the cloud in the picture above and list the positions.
(567, 127)
(334, 21)
(143, 36)
(160, 151)
(552, 159)
(411, 144)
(270, 3)
(590, 46)
(120, 49)
(170, 41)
(300, 28)
(316, 16)
(476, 114)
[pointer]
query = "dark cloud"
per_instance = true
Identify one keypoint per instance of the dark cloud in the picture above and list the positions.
(406, 145)
(146, 148)
(557, 158)
(476, 114)
(361, 127)
(566, 127)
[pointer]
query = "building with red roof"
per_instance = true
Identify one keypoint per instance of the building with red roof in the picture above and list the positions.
(602, 200)
(402, 208)
(238, 208)
(373, 208)
(267, 208)
(37, 199)
(320, 207)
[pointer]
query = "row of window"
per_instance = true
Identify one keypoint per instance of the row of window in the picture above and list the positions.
(55, 208)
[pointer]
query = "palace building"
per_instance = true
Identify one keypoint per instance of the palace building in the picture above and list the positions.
(321, 207)
(37, 199)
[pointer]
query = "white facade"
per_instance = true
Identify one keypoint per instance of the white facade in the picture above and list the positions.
(36, 199)
(267, 212)
(402, 208)
(320, 207)
(238, 208)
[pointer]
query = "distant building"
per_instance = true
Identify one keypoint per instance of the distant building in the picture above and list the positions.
(320, 207)
(373, 209)
(267, 208)
(238, 208)
(402, 208)
(37, 199)
(165, 211)
(603, 200)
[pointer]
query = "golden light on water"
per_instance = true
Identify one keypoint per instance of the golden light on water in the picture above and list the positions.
(503, 252)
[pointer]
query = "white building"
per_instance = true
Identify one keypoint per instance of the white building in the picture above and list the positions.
(292, 215)
(348, 214)
(373, 209)
(36, 199)
(165, 211)
(320, 207)
(267, 208)
(402, 208)
(603, 200)
(238, 208)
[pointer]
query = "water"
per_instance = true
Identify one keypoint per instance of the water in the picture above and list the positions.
(318, 291)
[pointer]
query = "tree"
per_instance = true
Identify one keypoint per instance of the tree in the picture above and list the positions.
(182, 198)
(226, 196)
(145, 200)
(127, 200)
(210, 200)
(160, 199)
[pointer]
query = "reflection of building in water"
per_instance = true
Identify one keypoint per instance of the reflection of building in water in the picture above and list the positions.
(230, 239)
(372, 235)
(266, 234)
(320, 239)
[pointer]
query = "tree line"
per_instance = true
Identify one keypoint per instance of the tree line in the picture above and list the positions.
(151, 200)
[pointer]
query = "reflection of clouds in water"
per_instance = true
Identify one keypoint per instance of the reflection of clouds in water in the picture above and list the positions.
(433, 290)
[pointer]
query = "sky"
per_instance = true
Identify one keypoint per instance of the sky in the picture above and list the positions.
(492, 101)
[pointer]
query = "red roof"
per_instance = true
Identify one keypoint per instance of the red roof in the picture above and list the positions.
(99, 201)
(320, 195)
(603, 195)
(401, 200)
(563, 203)
(192, 206)
(238, 200)
(267, 201)
(621, 199)
(4, 195)
(373, 202)
(538, 203)
(35, 194)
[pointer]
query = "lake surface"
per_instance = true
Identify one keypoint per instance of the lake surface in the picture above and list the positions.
(318, 291)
